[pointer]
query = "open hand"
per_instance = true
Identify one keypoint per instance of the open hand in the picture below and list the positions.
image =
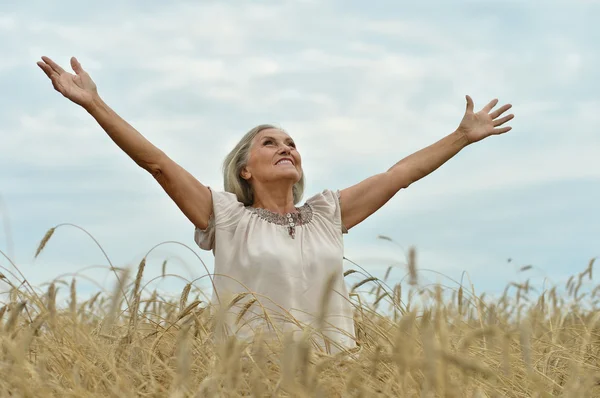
(77, 87)
(477, 126)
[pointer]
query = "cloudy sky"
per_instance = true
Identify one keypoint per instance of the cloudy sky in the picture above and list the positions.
(359, 87)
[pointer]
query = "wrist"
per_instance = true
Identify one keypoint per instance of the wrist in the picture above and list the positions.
(461, 138)
(94, 104)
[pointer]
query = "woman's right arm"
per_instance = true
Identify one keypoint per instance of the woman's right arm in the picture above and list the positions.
(193, 198)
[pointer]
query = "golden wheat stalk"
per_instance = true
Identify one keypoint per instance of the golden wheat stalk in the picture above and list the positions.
(412, 266)
(184, 296)
(52, 303)
(45, 240)
(367, 280)
(163, 270)
(15, 310)
(115, 301)
(136, 297)
(245, 309)
(73, 299)
(187, 310)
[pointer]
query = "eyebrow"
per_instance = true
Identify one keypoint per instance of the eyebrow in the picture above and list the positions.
(273, 138)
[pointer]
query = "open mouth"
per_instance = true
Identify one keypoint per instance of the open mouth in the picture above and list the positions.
(284, 161)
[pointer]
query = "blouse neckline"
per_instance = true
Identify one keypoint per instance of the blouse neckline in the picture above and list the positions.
(302, 216)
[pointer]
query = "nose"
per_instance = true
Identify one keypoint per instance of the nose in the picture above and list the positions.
(285, 149)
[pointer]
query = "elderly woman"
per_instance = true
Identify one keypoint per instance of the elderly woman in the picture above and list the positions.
(287, 256)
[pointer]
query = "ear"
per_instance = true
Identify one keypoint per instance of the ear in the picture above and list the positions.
(245, 174)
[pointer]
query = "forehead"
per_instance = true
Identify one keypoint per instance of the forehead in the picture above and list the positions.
(275, 133)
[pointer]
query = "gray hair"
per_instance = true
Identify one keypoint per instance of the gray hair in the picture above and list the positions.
(237, 159)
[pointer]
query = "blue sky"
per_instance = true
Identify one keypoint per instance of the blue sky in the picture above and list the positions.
(359, 87)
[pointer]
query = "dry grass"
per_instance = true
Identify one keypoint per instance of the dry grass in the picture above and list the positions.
(439, 341)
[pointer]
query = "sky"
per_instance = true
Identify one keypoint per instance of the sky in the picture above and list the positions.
(358, 85)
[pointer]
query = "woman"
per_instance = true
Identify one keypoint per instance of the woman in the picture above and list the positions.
(288, 258)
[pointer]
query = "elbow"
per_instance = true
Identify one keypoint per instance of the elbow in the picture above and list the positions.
(406, 183)
(398, 180)
(155, 167)
(399, 177)
(406, 180)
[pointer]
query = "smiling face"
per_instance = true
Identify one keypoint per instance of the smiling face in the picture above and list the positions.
(273, 157)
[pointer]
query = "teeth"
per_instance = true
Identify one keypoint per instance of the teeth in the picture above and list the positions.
(284, 161)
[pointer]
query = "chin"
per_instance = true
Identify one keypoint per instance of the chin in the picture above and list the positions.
(289, 175)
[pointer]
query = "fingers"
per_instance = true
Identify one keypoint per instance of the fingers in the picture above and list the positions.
(55, 67)
(500, 111)
(505, 119)
(490, 105)
(76, 66)
(469, 104)
(52, 75)
(501, 130)
(47, 70)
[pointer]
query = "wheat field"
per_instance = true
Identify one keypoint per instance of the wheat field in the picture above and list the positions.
(414, 341)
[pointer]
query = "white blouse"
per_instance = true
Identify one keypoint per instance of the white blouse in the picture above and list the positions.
(284, 262)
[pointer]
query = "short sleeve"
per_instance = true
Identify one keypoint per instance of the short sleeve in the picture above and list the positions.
(339, 204)
(328, 204)
(226, 213)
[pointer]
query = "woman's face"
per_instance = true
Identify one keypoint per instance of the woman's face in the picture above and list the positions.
(273, 156)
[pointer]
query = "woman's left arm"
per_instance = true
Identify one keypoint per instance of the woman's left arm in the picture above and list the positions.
(363, 199)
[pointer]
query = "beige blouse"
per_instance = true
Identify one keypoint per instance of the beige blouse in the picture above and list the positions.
(282, 261)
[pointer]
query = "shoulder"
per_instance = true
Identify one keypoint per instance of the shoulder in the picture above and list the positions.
(224, 200)
(227, 209)
(325, 198)
(327, 205)
(226, 213)
(224, 196)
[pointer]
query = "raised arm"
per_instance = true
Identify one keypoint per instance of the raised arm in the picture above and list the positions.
(193, 198)
(365, 198)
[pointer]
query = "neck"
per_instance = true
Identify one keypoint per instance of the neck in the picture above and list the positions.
(278, 198)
